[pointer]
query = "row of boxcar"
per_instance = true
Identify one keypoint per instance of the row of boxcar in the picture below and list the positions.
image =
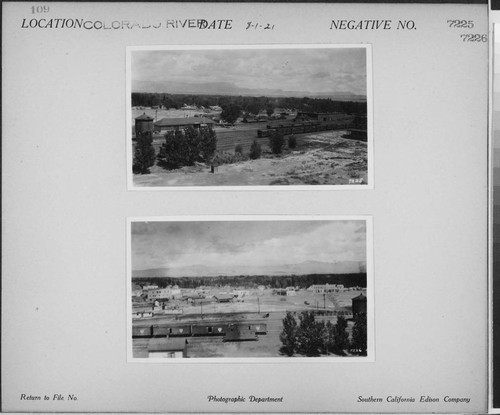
(193, 330)
(302, 128)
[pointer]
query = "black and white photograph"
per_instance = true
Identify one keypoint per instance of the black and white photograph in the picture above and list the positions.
(275, 288)
(249, 116)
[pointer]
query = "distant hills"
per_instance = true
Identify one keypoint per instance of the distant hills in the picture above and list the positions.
(229, 88)
(303, 268)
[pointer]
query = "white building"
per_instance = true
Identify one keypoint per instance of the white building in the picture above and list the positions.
(325, 288)
(163, 293)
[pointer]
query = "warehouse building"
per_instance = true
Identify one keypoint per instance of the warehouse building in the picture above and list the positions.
(176, 124)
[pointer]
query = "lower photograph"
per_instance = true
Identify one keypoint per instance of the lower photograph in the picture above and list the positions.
(250, 288)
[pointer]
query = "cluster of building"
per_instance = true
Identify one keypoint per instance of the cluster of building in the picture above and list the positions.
(153, 294)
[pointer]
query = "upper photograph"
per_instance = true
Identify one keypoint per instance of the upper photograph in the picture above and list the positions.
(257, 117)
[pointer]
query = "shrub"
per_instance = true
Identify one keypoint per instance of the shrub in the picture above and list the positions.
(292, 141)
(255, 150)
(144, 153)
(276, 142)
(238, 149)
(224, 157)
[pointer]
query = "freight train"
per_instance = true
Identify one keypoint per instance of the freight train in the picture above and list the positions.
(194, 330)
(306, 127)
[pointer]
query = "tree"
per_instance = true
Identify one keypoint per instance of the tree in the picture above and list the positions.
(309, 334)
(269, 111)
(328, 337)
(276, 142)
(173, 154)
(255, 150)
(292, 141)
(144, 154)
(340, 336)
(253, 108)
(359, 335)
(208, 143)
(185, 147)
(288, 335)
(230, 113)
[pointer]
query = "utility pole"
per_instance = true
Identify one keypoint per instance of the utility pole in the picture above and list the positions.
(324, 300)
(258, 304)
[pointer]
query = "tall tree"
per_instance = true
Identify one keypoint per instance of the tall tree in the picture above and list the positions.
(288, 335)
(144, 154)
(309, 334)
(208, 143)
(340, 336)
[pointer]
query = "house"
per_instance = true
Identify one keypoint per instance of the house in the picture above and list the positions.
(223, 298)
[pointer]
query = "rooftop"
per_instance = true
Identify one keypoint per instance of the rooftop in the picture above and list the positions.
(177, 122)
(166, 344)
(144, 117)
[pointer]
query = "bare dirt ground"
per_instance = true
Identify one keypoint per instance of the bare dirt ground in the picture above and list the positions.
(323, 158)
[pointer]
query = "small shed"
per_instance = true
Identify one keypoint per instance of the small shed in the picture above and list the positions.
(359, 304)
(167, 348)
(223, 298)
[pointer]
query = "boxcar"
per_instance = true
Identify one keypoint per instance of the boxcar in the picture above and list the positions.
(172, 331)
(144, 331)
(209, 329)
(258, 328)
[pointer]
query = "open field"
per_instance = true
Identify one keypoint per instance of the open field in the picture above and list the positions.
(321, 158)
(259, 307)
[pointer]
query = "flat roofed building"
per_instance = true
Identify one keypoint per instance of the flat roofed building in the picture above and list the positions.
(167, 348)
(324, 288)
(163, 293)
(182, 123)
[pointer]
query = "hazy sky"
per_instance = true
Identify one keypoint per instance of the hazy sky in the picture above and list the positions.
(314, 70)
(224, 244)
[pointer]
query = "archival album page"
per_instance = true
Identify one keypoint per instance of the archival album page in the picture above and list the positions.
(245, 207)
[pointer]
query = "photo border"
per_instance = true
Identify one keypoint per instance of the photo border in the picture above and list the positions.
(369, 102)
(369, 358)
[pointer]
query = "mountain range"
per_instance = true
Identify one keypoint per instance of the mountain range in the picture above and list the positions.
(229, 88)
(303, 268)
